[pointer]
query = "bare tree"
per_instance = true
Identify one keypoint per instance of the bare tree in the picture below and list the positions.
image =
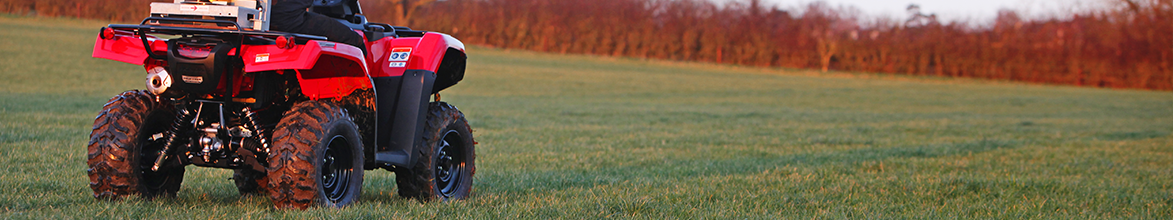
(404, 8)
(826, 46)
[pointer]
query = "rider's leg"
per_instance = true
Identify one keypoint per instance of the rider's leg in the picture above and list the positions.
(334, 30)
(303, 22)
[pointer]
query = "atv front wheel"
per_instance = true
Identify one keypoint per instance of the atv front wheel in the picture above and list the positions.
(446, 162)
(124, 144)
(316, 158)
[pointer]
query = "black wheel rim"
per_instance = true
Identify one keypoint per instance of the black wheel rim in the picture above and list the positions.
(450, 162)
(337, 168)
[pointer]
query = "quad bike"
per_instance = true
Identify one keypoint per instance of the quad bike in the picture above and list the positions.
(298, 117)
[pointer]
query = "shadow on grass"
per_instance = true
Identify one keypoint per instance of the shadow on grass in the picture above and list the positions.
(1135, 135)
(526, 182)
(520, 183)
(955, 187)
(933, 150)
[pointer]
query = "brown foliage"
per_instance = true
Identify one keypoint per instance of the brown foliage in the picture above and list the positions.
(114, 10)
(1128, 46)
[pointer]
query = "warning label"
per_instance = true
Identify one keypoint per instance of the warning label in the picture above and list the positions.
(264, 57)
(399, 54)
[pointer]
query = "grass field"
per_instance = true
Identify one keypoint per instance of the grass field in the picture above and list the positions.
(587, 137)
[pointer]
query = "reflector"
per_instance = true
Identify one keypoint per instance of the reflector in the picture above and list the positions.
(194, 52)
(284, 42)
(107, 33)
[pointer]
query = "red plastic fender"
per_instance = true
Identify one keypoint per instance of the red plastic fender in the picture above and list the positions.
(452, 42)
(126, 47)
(342, 70)
(324, 69)
(417, 53)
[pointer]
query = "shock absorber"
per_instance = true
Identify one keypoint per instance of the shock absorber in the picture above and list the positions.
(181, 115)
(250, 138)
(250, 122)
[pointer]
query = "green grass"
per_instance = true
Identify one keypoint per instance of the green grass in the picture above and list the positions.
(588, 137)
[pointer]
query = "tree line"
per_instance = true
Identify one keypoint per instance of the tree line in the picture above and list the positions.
(1127, 45)
(113, 10)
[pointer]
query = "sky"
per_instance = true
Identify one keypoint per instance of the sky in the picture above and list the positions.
(955, 9)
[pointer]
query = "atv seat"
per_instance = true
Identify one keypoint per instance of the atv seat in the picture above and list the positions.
(349, 13)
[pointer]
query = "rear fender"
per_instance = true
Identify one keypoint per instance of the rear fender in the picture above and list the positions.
(324, 69)
(126, 47)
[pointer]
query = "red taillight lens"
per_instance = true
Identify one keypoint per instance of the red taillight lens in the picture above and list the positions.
(282, 42)
(194, 52)
(285, 42)
(107, 33)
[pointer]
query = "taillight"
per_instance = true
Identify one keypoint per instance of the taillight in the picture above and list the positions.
(284, 42)
(107, 33)
(194, 52)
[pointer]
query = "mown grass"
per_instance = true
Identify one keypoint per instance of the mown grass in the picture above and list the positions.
(588, 137)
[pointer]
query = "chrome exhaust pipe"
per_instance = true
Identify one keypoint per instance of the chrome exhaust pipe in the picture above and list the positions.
(158, 80)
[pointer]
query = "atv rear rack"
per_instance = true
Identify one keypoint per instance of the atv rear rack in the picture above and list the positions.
(144, 28)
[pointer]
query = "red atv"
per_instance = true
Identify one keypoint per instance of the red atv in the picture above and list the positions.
(296, 116)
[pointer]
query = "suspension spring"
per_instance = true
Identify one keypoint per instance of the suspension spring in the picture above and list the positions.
(170, 136)
(262, 135)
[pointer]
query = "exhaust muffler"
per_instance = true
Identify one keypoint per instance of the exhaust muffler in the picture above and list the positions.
(158, 80)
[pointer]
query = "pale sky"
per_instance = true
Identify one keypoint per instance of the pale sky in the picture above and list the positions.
(955, 9)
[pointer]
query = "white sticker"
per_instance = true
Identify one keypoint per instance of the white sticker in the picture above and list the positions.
(264, 57)
(195, 8)
(398, 64)
(399, 54)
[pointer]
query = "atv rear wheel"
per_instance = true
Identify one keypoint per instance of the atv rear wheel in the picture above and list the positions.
(446, 163)
(316, 158)
(123, 147)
